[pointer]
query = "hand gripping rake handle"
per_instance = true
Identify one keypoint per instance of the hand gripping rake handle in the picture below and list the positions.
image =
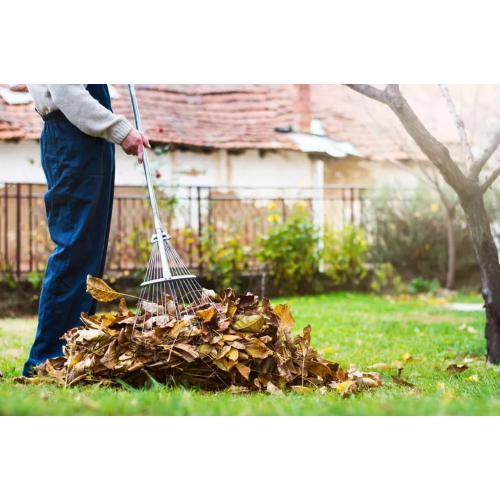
(167, 274)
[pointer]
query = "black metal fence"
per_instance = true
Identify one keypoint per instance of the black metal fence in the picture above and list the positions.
(187, 212)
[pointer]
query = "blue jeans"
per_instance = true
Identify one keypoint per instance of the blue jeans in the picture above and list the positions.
(80, 173)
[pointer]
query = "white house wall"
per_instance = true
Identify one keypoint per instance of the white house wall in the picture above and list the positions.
(20, 163)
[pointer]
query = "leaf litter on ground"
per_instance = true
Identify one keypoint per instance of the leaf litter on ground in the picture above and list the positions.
(239, 344)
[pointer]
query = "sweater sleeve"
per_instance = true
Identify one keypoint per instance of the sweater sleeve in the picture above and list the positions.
(87, 114)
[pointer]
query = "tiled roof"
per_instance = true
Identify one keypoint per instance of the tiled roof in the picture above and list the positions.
(219, 116)
(246, 116)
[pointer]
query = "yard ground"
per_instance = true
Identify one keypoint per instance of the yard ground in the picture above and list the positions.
(420, 335)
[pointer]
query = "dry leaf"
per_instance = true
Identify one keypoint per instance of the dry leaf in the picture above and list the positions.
(300, 389)
(244, 370)
(100, 290)
(237, 345)
(380, 366)
(347, 388)
(122, 308)
(249, 324)
(284, 313)
(258, 350)
(206, 314)
(456, 368)
(416, 391)
(272, 389)
(397, 378)
(370, 382)
(407, 357)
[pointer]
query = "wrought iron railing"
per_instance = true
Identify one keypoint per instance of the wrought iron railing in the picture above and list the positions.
(25, 242)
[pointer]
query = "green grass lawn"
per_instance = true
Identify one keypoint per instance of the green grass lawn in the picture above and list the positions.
(346, 328)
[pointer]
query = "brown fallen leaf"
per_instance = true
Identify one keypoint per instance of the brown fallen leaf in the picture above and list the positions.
(347, 388)
(272, 389)
(380, 366)
(397, 378)
(206, 314)
(236, 344)
(28, 380)
(249, 324)
(453, 368)
(407, 357)
(416, 391)
(369, 382)
(300, 389)
(101, 291)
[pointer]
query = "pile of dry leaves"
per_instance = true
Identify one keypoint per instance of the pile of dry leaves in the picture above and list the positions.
(237, 343)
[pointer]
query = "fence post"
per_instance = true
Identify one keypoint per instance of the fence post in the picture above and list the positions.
(18, 231)
(209, 206)
(200, 253)
(352, 206)
(190, 224)
(343, 208)
(318, 205)
(6, 235)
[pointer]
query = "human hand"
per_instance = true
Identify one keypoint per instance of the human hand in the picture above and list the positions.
(134, 144)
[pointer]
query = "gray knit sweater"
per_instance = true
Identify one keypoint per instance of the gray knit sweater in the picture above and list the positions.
(81, 109)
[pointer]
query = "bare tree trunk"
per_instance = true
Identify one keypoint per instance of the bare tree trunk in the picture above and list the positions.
(470, 191)
(450, 276)
(487, 256)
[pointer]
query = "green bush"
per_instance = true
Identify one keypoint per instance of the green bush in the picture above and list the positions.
(421, 285)
(343, 255)
(289, 250)
(7, 275)
(223, 261)
(386, 280)
(409, 230)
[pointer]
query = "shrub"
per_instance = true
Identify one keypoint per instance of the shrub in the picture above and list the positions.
(386, 280)
(421, 285)
(409, 231)
(7, 275)
(289, 250)
(343, 255)
(223, 261)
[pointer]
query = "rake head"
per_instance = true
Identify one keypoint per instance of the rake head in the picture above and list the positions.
(170, 296)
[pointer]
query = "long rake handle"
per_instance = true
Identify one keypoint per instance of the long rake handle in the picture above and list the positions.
(149, 182)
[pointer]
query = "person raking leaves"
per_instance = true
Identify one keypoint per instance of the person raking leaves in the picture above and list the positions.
(78, 158)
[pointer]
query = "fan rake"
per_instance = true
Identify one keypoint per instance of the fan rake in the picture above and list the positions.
(170, 295)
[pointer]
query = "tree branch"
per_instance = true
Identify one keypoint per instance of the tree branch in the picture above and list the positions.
(368, 91)
(406, 168)
(469, 160)
(485, 156)
(436, 152)
(489, 180)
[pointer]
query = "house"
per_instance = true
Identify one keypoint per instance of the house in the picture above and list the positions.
(229, 149)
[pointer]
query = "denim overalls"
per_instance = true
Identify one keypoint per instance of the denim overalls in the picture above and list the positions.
(80, 173)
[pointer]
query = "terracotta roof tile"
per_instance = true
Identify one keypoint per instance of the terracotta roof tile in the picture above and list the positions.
(246, 116)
